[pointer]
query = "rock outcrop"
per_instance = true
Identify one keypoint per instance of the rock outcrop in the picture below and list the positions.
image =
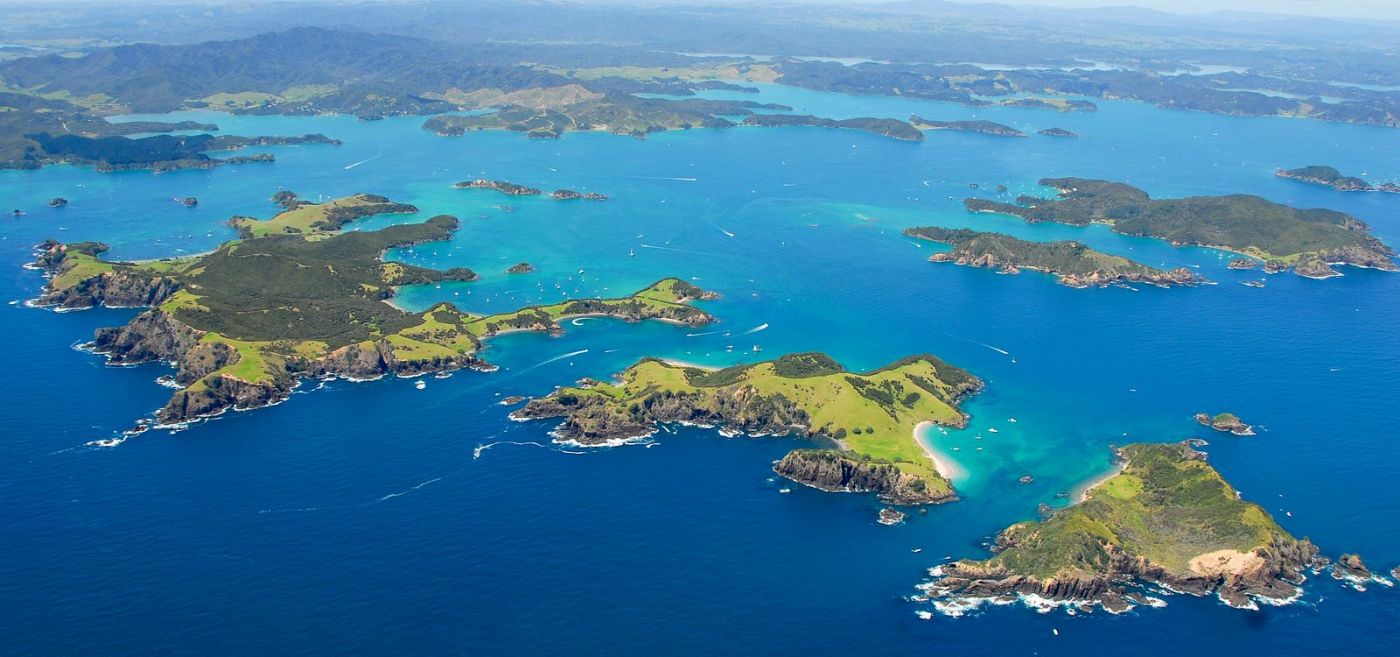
(846, 472)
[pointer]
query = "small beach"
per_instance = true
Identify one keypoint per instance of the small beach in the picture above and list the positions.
(946, 466)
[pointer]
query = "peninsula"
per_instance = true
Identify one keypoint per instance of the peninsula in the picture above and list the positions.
(1072, 263)
(981, 127)
(293, 299)
(1167, 519)
(872, 418)
(1309, 242)
(1324, 175)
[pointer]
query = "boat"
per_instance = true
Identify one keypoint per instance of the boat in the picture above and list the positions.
(785, 491)
(757, 348)
(420, 384)
(631, 253)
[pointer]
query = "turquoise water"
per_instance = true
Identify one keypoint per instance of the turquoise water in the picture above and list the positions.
(355, 518)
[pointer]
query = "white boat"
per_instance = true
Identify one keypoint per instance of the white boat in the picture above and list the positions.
(420, 384)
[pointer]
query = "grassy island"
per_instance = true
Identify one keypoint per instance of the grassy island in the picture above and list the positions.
(1166, 518)
(1071, 263)
(871, 417)
(1309, 242)
(294, 299)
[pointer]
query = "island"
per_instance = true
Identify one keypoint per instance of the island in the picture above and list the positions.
(1167, 519)
(58, 202)
(871, 420)
(1072, 263)
(1309, 242)
(521, 268)
(302, 218)
(571, 195)
(292, 299)
(159, 153)
(1242, 263)
(883, 127)
(1324, 175)
(503, 186)
(1058, 132)
(1057, 104)
(979, 127)
(188, 201)
(623, 114)
(1226, 422)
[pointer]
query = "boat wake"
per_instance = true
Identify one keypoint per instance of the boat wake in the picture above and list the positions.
(560, 357)
(476, 453)
(355, 164)
(756, 329)
(401, 493)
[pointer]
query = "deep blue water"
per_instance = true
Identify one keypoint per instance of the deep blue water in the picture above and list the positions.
(355, 518)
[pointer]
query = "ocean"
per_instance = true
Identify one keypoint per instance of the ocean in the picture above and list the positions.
(375, 517)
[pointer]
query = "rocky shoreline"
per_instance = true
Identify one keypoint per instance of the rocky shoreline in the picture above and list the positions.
(836, 471)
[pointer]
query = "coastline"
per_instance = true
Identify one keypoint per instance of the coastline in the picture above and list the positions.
(942, 463)
(676, 362)
(1081, 492)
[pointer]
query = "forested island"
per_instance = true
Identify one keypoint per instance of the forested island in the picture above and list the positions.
(884, 127)
(295, 299)
(1167, 518)
(1058, 132)
(1324, 175)
(1309, 242)
(616, 113)
(872, 418)
(1072, 263)
(980, 127)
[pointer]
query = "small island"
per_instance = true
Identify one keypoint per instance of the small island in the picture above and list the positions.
(244, 324)
(1058, 132)
(1226, 422)
(503, 186)
(1071, 263)
(979, 127)
(1309, 242)
(188, 201)
(58, 202)
(521, 268)
(883, 127)
(1167, 519)
(571, 195)
(871, 419)
(1324, 175)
